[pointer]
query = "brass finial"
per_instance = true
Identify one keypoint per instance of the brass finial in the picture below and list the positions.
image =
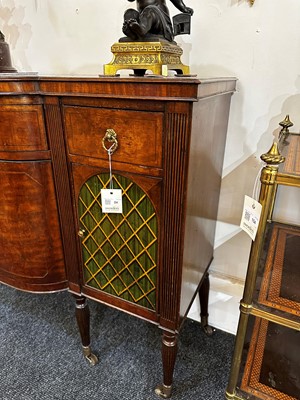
(251, 2)
(285, 124)
(273, 157)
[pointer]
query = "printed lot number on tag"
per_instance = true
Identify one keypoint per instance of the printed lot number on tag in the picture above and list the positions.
(251, 216)
(111, 200)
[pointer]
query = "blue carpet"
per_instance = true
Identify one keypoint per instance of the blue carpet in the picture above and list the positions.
(41, 357)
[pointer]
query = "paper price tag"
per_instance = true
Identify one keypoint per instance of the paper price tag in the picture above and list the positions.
(111, 200)
(251, 216)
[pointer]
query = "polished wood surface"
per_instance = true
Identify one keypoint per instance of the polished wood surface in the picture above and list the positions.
(30, 234)
(22, 128)
(208, 136)
(139, 134)
(171, 134)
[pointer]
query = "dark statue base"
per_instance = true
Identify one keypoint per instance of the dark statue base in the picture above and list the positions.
(158, 56)
(5, 60)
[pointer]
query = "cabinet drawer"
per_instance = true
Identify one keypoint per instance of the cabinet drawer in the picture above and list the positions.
(139, 134)
(22, 128)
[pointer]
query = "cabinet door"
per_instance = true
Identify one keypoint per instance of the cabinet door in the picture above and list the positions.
(30, 235)
(119, 251)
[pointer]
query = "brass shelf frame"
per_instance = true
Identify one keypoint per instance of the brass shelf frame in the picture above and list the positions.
(270, 178)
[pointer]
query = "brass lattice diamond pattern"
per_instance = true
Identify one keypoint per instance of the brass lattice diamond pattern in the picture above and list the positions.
(119, 250)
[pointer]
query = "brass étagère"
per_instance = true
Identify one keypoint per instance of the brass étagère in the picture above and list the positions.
(265, 363)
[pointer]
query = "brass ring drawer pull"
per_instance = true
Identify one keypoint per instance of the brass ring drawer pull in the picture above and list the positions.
(111, 137)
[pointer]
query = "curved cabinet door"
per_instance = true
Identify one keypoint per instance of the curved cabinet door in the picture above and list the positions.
(30, 237)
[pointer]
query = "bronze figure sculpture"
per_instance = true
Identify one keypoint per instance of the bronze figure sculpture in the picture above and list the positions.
(149, 42)
(151, 21)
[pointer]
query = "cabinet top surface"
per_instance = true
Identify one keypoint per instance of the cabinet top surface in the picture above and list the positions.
(104, 78)
(151, 87)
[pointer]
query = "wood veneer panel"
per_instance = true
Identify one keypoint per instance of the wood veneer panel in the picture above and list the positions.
(22, 128)
(64, 200)
(209, 127)
(30, 234)
(139, 134)
(176, 148)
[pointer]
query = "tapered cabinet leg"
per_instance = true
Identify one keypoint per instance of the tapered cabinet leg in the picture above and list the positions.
(169, 353)
(83, 321)
(204, 295)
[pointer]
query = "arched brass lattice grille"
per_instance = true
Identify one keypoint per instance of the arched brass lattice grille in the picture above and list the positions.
(119, 250)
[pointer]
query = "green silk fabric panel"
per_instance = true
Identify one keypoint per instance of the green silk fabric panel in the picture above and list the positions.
(119, 250)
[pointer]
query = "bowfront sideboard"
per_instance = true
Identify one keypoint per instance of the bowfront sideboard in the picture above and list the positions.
(157, 141)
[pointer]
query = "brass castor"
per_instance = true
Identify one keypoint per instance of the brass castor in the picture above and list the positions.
(208, 330)
(91, 358)
(163, 391)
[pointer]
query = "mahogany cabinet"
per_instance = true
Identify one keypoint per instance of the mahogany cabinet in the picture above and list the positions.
(30, 237)
(150, 260)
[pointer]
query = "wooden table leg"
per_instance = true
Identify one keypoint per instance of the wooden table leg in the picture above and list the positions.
(83, 321)
(204, 296)
(169, 353)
